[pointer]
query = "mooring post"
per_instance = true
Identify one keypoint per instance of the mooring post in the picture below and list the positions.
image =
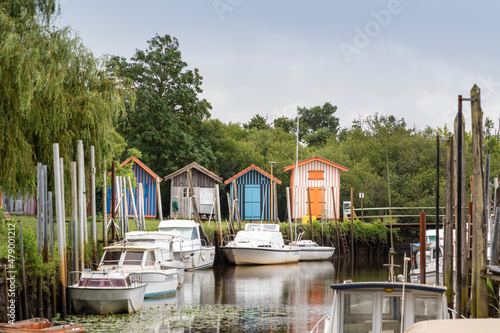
(479, 304)
(423, 247)
(352, 224)
(104, 207)
(158, 193)
(74, 215)
(81, 203)
(437, 211)
(289, 213)
(235, 191)
(25, 288)
(217, 196)
(113, 203)
(448, 226)
(93, 202)
(310, 211)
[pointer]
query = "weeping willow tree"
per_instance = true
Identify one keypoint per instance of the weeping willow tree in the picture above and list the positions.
(52, 89)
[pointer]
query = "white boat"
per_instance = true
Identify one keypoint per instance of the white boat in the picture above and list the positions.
(107, 292)
(144, 260)
(456, 326)
(430, 263)
(260, 244)
(310, 250)
(382, 307)
(188, 245)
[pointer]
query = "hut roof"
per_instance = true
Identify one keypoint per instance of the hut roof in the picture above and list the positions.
(319, 159)
(196, 166)
(142, 165)
(252, 167)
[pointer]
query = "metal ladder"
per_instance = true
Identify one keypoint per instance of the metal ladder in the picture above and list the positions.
(344, 242)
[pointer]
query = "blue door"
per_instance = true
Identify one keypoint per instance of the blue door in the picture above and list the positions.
(252, 202)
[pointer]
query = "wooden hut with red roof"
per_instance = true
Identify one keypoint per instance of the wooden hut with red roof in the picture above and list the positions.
(147, 177)
(254, 193)
(203, 185)
(321, 178)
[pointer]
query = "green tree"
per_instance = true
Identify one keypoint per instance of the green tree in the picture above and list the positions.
(165, 124)
(257, 122)
(53, 91)
(317, 118)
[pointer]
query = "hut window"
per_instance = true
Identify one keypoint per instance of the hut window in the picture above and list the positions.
(316, 174)
(185, 192)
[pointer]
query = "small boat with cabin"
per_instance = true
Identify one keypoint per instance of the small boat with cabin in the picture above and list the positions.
(431, 257)
(189, 246)
(107, 292)
(310, 250)
(145, 260)
(260, 244)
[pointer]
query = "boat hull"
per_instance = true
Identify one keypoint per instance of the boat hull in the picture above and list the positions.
(159, 282)
(39, 325)
(102, 301)
(318, 253)
(260, 256)
(198, 258)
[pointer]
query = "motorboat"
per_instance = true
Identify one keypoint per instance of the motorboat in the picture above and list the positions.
(107, 292)
(165, 241)
(310, 250)
(260, 244)
(382, 307)
(456, 326)
(432, 254)
(39, 325)
(189, 246)
(145, 261)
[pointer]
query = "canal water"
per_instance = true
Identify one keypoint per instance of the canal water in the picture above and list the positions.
(268, 298)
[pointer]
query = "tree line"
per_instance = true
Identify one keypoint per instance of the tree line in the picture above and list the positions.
(54, 90)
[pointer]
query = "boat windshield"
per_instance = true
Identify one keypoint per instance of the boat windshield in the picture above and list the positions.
(426, 308)
(188, 233)
(101, 282)
(391, 314)
(111, 257)
(133, 258)
(358, 313)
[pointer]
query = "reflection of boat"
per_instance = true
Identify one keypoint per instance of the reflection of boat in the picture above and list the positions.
(105, 292)
(260, 244)
(146, 261)
(39, 325)
(189, 247)
(383, 306)
(310, 250)
(430, 263)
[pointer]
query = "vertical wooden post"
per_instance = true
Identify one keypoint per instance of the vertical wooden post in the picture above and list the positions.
(423, 247)
(289, 210)
(158, 193)
(74, 214)
(25, 288)
(60, 229)
(352, 222)
(335, 219)
(93, 202)
(40, 232)
(275, 198)
(81, 203)
(496, 231)
(437, 211)
(193, 197)
(479, 306)
(52, 256)
(461, 211)
(235, 191)
(310, 211)
(448, 226)
(218, 211)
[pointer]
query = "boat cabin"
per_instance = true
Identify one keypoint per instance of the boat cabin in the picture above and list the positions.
(383, 307)
(131, 255)
(106, 280)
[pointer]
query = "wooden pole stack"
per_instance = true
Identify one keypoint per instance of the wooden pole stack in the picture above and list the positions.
(448, 226)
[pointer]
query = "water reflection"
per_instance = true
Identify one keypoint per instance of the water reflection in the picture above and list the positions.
(268, 298)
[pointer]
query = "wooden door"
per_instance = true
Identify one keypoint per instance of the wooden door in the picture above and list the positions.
(318, 202)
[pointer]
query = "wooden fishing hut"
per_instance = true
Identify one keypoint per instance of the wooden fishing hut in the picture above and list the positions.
(253, 187)
(203, 181)
(322, 178)
(147, 177)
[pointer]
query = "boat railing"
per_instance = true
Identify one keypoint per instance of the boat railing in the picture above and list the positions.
(315, 329)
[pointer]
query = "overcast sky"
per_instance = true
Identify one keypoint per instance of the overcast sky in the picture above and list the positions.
(410, 59)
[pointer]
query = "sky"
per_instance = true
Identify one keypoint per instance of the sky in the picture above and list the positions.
(406, 58)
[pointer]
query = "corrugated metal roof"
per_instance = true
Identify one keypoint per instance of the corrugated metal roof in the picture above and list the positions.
(316, 158)
(252, 167)
(198, 167)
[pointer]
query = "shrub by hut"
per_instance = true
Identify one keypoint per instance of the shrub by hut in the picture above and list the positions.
(322, 178)
(204, 182)
(253, 187)
(147, 177)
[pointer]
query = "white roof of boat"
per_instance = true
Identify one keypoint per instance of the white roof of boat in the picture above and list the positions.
(262, 227)
(455, 326)
(177, 224)
(139, 235)
(132, 246)
(387, 285)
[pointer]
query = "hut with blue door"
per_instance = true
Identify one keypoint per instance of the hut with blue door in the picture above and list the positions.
(147, 177)
(253, 187)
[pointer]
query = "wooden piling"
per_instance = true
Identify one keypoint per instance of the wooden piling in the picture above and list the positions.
(289, 211)
(217, 196)
(81, 204)
(352, 223)
(74, 215)
(479, 304)
(235, 191)
(113, 202)
(93, 203)
(193, 197)
(23, 268)
(310, 211)
(104, 208)
(423, 246)
(158, 193)
(448, 226)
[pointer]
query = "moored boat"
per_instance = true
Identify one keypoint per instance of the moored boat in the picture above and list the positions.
(310, 250)
(260, 244)
(107, 292)
(39, 325)
(189, 246)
